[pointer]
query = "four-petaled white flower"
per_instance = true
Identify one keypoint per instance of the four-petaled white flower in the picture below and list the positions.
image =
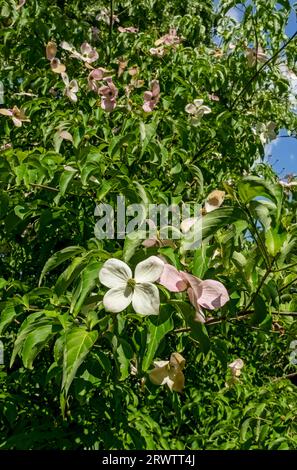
(266, 132)
(255, 56)
(71, 88)
(236, 367)
(197, 110)
(124, 288)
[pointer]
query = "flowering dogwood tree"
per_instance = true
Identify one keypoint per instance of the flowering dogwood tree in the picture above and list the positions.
(174, 339)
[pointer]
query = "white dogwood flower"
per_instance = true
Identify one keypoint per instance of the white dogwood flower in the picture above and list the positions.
(236, 367)
(71, 88)
(197, 110)
(124, 288)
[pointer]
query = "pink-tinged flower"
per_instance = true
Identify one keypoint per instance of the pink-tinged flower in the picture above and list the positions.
(214, 200)
(129, 29)
(155, 240)
(135, 82)
(71, 88)
(87, 53)
(95, 33)
(155, 237)
(213, 97)
(207, 294)
(151, 98)
(125, 289)
(255, 56)
(57, 66)
(104, 15)
(108, 94)
(51, 50)
(65, 135)
(122, 66)
(158, 51)
(5, 147)
(218, 53)
(172, 279)
(96, 75)
(169, 373)
(16, 114)
(169, 39)
(133, 71)
(58, 138)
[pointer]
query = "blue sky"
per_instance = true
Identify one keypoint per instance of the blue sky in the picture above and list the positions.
(281, 153)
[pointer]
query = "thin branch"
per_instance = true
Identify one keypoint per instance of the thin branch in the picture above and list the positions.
(110, 28)
(288, 266)
(213, 321)
(254, 21)
(258, 239)
(292, 314)
(268, 271)
(250, 81)
(287, 285)
(43, 186)
(50, 188)
(288, 376)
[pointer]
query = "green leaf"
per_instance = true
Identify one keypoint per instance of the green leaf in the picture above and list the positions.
(208, 224)
(105, 187)
(147, 132)
(59, 258)
(86, 283)
(123, 355)
(245, 427)
(201, 260)
(132, 241)
(4, 204)
(239, 260)
(260, 210)
(70, 274)
(32, 322)
(157, 328)
(7, 316)
(65, 180)
(261, 315)
(78, 343)
(253, 186)
(274, 240)
(104, 361)
(198, 330)
(35, 341)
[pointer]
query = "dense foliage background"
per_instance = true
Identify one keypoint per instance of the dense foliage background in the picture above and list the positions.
(75, 376)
